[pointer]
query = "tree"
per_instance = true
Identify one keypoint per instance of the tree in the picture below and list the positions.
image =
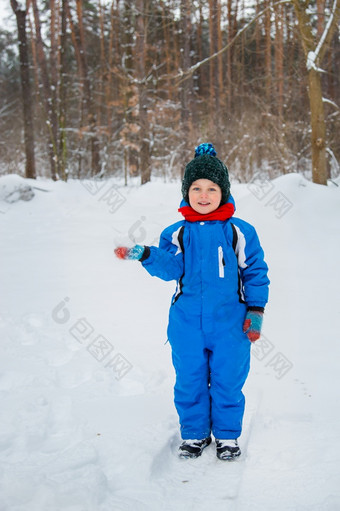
(215, 74)
(144, 129)
(185, 90)
(90, 120)
(49, 89)
(315, 49)
(20, 15)
(62, 94)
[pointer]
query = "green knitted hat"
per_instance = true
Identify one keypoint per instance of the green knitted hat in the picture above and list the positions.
(205, 165)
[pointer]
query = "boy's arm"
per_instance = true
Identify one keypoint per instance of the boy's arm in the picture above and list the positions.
(253, 268)
(253, 271)
(165, 261)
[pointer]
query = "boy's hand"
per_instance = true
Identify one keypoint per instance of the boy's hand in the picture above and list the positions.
(252, 325)
(135, 252)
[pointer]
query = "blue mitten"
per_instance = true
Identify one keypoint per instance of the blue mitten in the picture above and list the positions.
(252, 324)
(135, 252)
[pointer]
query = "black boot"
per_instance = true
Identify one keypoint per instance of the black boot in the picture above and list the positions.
(193, 448)
(227, 449)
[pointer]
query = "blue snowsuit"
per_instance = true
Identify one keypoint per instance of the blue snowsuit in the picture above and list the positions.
(220, 271)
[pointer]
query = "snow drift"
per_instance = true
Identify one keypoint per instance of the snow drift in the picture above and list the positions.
(88, 422)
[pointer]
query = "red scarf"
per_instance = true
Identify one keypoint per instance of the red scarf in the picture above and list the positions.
(222, 213)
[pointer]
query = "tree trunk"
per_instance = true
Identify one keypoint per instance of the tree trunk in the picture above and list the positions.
(319, 163)
(229, 55)
(91, 115)
(186, 85)
(279, 60)
(144, 129)
(258, 41)
(314, 53)
(78, 39)
(51, 117)
(320, 4)
(115, 50)
(202, 76)
(215, 73)
(268, 54)
(130, 93)
(212, 50)
(62, 94)
(166, 36)
(26, 90)
(102, 72)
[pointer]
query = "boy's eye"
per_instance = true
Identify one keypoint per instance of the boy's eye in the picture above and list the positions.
(198, 189)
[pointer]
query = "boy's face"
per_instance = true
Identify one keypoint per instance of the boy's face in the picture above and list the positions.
(204, 196)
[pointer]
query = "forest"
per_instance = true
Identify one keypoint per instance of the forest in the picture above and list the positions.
(127, 88)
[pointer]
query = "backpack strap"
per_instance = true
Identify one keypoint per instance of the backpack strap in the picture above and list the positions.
(180, 238)
(180, 282)
(234, 245)
(235, 238)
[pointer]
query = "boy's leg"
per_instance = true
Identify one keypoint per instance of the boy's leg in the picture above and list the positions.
(229, 364)
(192, 397)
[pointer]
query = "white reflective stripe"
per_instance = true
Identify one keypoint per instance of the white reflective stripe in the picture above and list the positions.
(176, 242)
(243, 298)
(178, 292)
(240, 248)
(220, 263)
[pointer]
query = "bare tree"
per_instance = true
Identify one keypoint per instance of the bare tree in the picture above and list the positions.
(62, 94)
(21, 15)
(279, 76)
(186, 86)
(78, 39)
(315, 49)
(48, 92)
(268, 52)
(215, 75)
(144, 131)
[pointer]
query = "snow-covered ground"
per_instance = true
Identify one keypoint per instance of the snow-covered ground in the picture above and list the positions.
(86, 382)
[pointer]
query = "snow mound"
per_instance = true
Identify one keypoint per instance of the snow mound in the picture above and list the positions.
(14, 188)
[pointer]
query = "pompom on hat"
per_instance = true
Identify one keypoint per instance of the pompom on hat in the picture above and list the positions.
(206, 165)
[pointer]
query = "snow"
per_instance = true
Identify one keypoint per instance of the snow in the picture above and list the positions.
(311, 62)
(86, 381)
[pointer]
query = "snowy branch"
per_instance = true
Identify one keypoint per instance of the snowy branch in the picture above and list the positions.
(329, 102)
(5, 110)
(315, 56)
(334, 160)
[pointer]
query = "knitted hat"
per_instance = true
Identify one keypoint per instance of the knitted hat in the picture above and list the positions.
(205, 165)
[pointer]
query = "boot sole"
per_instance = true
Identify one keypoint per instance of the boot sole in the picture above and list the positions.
(228, 457)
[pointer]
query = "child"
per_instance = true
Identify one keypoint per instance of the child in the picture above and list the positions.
(217, 309)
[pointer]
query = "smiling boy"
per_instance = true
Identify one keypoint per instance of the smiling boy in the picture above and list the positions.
(217, 309)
